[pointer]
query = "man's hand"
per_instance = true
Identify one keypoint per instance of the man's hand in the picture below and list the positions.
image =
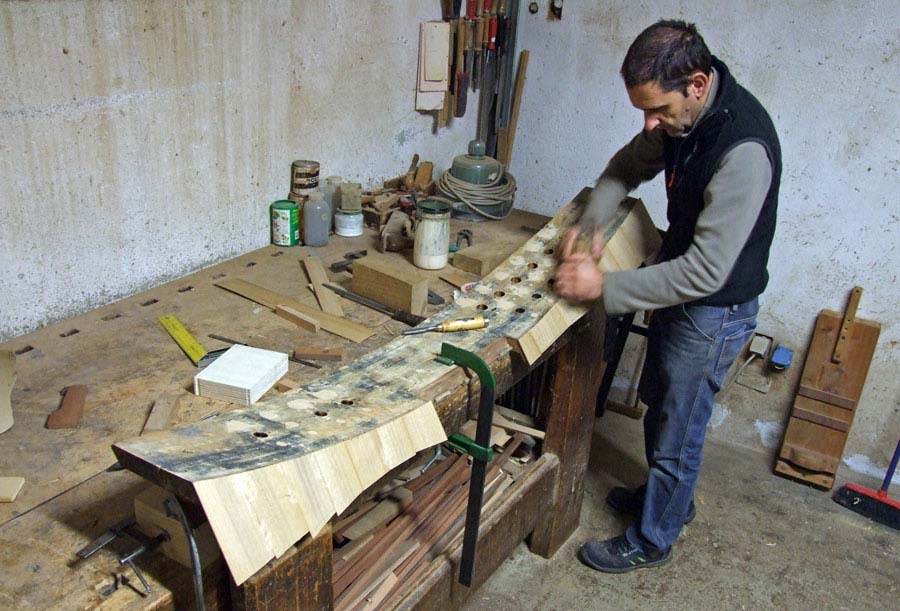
(578, 277)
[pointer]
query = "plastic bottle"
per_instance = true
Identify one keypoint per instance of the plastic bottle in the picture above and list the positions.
(332, 193)
(316, 220)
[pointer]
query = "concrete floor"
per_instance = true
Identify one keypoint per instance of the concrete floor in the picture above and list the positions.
(759, 542)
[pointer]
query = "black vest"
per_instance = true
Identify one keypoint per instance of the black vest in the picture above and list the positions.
(691, 161)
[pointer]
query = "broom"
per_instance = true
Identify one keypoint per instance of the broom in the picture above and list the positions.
(874, 504)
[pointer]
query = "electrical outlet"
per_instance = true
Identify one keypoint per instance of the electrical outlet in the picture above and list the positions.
(760, 345)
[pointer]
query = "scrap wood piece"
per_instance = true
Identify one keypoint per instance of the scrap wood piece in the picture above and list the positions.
(68, 415)
(7, 380)
(300, 319)
(480, 260)
(286, 385)
(328, 301)
(161, 412)
(395, 287)
(9, 488)
(333, 324)
(377, 413)
(502, 421)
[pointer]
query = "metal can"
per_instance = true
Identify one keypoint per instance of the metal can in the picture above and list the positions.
(285, 216)
(304, 176)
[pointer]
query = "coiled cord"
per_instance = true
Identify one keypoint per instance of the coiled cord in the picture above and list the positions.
(497, 192)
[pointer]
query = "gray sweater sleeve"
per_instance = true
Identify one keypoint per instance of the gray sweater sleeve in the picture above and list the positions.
(636, 162)
(733, 200)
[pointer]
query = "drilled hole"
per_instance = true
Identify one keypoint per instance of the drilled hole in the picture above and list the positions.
(24, 349)
(481, 306)
(218, 276)
(532, 265)
(185, 289)
(69, 333)
(515, 280)
(549, 251)
(321, 413)
(347, 402)
(551, 281)
(277, 254)
(520, 310)
(536, 296)
(251, 264)
(151, 302)
(499, 294)
(112, 316)
(260, 434)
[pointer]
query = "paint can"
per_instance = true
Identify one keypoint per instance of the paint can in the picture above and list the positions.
(285, 221)
(432, 235)
(304, 176)
(348, 223)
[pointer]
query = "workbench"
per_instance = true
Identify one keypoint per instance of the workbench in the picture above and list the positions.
(128, 361)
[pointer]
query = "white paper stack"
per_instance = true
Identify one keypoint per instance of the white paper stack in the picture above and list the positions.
(241, 375)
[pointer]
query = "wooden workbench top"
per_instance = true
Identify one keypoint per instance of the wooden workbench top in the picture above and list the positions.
(127, 361)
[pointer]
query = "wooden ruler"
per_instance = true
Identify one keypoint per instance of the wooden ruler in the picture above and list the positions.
(183, 338)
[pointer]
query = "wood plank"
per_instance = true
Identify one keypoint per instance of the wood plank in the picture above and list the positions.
(832, 416)
(813, 446)
(161, 413)
(844, 379)
(518, 93)
(307, 323)
(390, 284)
(328, 301)
(458, 279)
(68, 415)
(333, 324)
(7, 380)
(826, 397)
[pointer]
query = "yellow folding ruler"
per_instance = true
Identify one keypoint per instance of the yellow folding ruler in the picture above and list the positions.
(183, 338)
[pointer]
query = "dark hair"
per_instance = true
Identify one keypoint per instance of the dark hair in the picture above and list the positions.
(667, 52)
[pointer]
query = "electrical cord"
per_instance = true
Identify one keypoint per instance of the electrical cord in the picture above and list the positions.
(500, 191)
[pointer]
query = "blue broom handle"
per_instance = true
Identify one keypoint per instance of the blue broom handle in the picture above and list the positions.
(893, 467)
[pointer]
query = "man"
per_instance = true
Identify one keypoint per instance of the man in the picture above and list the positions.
(721, 160)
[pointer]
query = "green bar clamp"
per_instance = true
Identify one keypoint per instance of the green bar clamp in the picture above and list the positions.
(479, 449)
(467, 446)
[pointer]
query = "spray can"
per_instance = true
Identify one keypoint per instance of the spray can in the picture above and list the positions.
(285, 221)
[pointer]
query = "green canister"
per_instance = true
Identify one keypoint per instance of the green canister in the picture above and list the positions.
(285, 216)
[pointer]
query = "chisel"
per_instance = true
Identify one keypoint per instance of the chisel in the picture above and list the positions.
(450, 326)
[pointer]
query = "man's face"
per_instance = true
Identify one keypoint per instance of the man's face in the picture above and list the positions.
(671, 111)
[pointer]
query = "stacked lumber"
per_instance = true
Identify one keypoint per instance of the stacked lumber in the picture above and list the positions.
(241, 375)
(374, 562)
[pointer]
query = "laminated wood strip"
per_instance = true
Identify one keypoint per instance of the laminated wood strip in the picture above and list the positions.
(309, 453)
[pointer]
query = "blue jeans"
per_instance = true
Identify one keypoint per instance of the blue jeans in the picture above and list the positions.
(689, 350)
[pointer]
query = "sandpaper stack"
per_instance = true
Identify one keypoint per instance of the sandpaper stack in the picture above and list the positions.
(241, 375)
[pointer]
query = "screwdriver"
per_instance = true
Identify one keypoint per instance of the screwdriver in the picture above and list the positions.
(460, 324)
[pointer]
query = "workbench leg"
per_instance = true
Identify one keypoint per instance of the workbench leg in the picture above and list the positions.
(569, 406)
(299, 579)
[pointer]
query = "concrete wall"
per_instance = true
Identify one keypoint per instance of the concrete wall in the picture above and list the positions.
(826, 71)
(141, 140)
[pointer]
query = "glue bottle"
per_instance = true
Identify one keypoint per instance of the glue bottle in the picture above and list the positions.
(316, 220)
